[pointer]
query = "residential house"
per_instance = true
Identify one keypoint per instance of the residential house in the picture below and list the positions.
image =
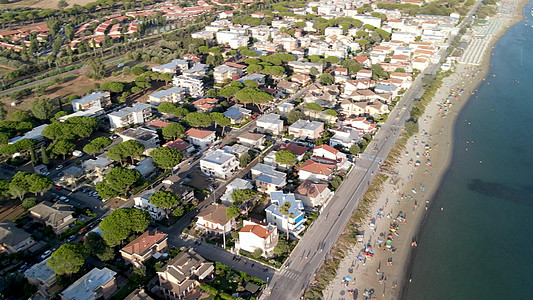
(157, 124)
(96, 168)
(181, 145)
(41, 276)
(267, 179)
(34, 134)
(213, 220)
(255, 235)
(200, 138)
(96, 284)
(350, 108)
(205, 105)
(197, 71)
(285, 108)
(313, 194)
(219, 164)
(142, 202)
(294, 222)
(362, 124)
(259, 78)
(345, 137)
(270, 123)
(288, 87)
(233, 39)
(138, 294)
(341, 72)
(305, 67)
(316, 171)
(14, 239)
(72, 178)
(58, 216)
(185, 193)
(301, 78)
(223, 72)
(139, 113)
(181, 274)
(364, 74)
(173, 95)
(148, 138)
(251, 139)
(235, 184)
(94, 99)
(172, 67)
(235, 149)
(364, 61)
(237, 114)
(193, 86)
(358, 84)
(387, 89)
(305, 129)
(147, 245)
(328, 154)
(297, 150)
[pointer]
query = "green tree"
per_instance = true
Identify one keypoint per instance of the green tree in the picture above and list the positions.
(19, 116)
(166, 158)
(67, 259)
(332, 59)
(257, 253)
(379, 73)
(220, 120)
(94, 243)
(363, 43)
(118, 181)
(173, 131)
(164, 199)
(285, 157)
(29, 203)
(250, 83)
(354, 149)
(326, 79)
(96, 68)
(123, 222)
(241, 196)
(178, 211)
(198, 119)
(315, 107)
(255, 96)
(282, 247)
(38, 184)
(62, 147)
(166, 108)
(112, 86)
(232, 212)
(244, 160)
(352, 66)
(97, 145)
(129, 149)
(294, 115)
(42, 108)
(228, 91)
(44, 156)
(62, 4)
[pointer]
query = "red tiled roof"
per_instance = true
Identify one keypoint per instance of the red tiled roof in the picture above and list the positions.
(295, 149)
(314, 167)
(232, 64)
(327, 148)
(198, 133)
(258, 230)
(177, 144)
(158, 124)
(311, 189)
(361, 59)
(144, 242)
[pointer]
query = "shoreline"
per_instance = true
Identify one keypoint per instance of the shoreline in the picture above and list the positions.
(394, 280)
(485, 66)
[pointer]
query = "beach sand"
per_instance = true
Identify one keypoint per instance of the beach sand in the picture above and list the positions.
(408, 191)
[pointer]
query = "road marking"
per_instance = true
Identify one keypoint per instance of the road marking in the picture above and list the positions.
(360, 168)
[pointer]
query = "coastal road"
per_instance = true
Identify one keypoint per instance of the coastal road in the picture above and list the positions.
(299, 269)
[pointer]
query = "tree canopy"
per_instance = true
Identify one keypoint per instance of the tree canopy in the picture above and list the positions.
(285, 157)
(129, 149)
(198, 119)
(173, 131)
(241, 196)
(123, 222)
(67, 259)
(97, 145)
(255, 96)
(166, 158)
(164, 200)
(42, 108)
(118, 181)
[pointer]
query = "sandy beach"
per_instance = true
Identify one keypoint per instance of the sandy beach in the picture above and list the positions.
(381, 261)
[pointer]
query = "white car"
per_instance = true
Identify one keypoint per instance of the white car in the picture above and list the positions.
(71, 238)
(59, 167)
(46, 254)
(62, 198)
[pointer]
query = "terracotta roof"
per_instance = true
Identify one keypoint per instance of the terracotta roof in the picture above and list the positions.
(295, 149)
(232, 64)
(364, 71)
(327, 148)
(251, 136)
(215, 213)
(158, 124)
(400, 56)
(177, 144)
(361, 59)
(143, 243)
(258, 230)
(314, 167)
(198, 133)
(311, 189)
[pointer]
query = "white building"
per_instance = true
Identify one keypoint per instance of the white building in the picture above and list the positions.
(267, 179)
(254, 236)
(200, 138)
(313, 194)
(173, 95)
(172, 67)
(94, 99)
(143, 202)
(193, 86)
(305, 67)
(294, 222)
(270, 123)
(219, 164)
(137, 114)
(148, 138)
(303, 129)
(233, 39)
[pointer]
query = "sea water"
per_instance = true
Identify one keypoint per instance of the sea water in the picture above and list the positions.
(480, 245)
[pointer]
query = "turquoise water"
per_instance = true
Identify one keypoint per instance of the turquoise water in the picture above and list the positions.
(480, 246)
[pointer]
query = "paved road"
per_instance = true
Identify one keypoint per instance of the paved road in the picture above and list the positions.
(298, 271)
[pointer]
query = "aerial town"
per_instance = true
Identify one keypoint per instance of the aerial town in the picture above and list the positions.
(194, 149)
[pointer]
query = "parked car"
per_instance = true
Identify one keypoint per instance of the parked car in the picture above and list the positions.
(46, 254)
(71, 238)
(59, 167)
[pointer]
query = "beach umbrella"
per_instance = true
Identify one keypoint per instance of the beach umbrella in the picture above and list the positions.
(347, 278)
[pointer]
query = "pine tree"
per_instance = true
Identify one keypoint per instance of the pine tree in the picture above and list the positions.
(33, 156)
(44, 156)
